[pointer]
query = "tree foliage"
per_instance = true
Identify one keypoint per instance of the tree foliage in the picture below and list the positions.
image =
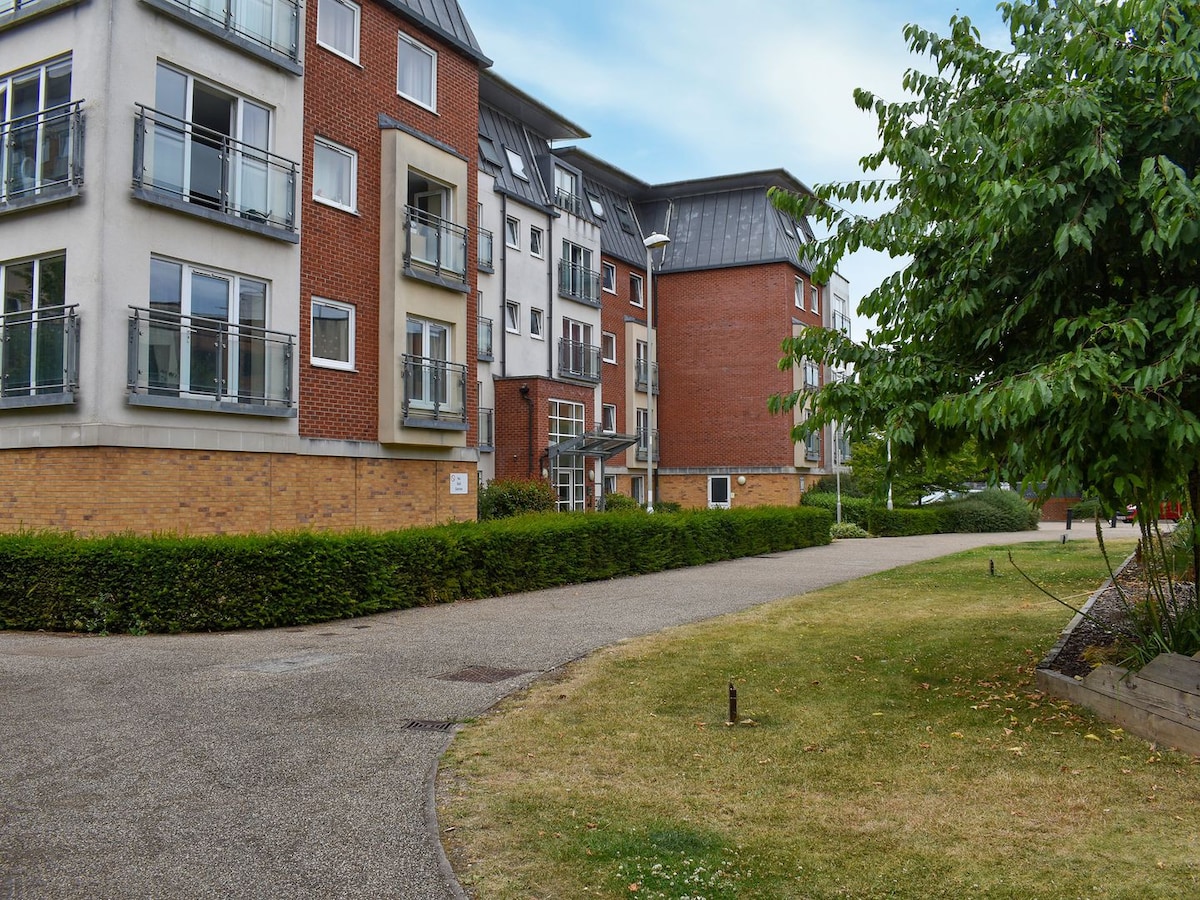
(1047, 196)
(913, 477)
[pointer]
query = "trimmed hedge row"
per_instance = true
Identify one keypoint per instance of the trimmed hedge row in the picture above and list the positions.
(176, 584)
(988, 511)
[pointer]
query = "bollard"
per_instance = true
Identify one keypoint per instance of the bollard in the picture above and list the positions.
(1070, 516)
(991, 567)
(1064, 537)
(732, 704)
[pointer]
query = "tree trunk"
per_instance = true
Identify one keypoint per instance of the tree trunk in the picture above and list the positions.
(1194, 503)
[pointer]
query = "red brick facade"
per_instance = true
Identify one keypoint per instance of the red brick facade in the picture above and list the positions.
(340, 250)
(522, 442)
(719, 337)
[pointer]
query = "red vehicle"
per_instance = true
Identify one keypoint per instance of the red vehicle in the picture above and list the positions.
(1168, 511)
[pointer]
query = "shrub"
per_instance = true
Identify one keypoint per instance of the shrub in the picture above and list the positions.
(173, 584)
(905, 521)
(990, 510)
(502, 499)
(846, 530)
(620, 503)
(667, 506)
(854, 509)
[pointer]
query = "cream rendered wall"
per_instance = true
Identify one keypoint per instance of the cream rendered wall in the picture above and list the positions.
(109, 236)
(490, 219)
(528, 282)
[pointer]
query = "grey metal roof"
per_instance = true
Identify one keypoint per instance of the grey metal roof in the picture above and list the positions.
(615, 190)
(444, 19)
(507, 133)
(512, 101)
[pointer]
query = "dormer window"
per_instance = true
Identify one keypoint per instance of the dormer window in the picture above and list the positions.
(516, 162)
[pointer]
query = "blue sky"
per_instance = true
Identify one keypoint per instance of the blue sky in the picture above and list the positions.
(678, 89)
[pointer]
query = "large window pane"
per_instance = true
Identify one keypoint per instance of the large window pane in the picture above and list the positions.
(416, 72)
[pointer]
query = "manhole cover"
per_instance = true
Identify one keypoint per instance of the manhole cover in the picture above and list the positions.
(425, 725)
(482, 674)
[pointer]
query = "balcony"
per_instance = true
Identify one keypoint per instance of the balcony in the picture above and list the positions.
(193, 169)
(487, 245)
(812, 448)
(487, 428)
(577, 283)
(435, 249)
(484, 353)
(191, 362)
(841, 322)
(435, 393)
(267, 29)
(572, 203)
(644, 441)
(579, 361)
(645, 375)
(39, 357)
(41, 157)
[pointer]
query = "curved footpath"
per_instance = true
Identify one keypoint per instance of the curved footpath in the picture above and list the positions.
(298, 762)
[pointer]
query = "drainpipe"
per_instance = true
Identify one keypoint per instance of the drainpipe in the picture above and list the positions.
(502, 319)
(529, 429)
(550, 297)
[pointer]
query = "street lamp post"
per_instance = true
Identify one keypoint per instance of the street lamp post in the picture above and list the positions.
(652, 243)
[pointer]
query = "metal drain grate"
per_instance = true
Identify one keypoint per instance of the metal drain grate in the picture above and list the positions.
(426, 725)
(481, 674)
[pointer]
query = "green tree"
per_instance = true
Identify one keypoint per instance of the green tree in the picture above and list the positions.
(1047, 196)
(913, 477)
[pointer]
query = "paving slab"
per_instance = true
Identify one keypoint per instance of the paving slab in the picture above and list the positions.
(299, 762)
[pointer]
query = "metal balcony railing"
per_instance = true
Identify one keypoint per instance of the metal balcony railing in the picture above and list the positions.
(486, 329)
(645, 375)
(812, 376)
(487, 244)
(435, 391)
(812, 448)
(201, 359)
(203, 168)
(41, 156)
(271, 24)
(39, 355)
(646, 439)
(16, 6)
(435, 245)
(578, 283)
(487, 428)
(578, 360)
(840, 322)
(572, 203)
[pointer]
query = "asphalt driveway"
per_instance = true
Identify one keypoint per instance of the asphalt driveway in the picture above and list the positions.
(299, 763)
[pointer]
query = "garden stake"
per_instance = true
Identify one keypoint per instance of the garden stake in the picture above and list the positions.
(732, 704)
(991, 567)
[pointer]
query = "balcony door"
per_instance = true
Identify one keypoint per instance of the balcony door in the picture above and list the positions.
(210, 145)
(579, 338)
(428, 351)
(35, 146)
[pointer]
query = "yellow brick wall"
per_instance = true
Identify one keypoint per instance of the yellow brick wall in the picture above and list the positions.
(104, 490)
(691, 491)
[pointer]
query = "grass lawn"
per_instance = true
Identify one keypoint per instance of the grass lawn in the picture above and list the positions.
(892, 745)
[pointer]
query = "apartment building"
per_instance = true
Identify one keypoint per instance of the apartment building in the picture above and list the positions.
(270, 266)
(213, 291)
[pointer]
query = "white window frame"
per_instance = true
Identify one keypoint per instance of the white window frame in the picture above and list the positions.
(512, 232)
(431, 103)
(351, 156)
(637, 488)
(537, 324)
(325, 362)
(608, 418)
(637, 298)
(716, 504)
(610, 484)
(608, 341)
(516, 162)
(815, 298)
(537, 242)
(352, 55)
(609, 277)
(512, 316)
(799, 292)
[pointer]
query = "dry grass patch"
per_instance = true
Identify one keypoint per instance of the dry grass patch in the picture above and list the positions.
(894, 746)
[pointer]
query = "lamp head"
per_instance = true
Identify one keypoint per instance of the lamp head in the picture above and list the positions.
(656, 240)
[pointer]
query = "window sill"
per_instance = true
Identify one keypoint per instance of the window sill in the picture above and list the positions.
(351, 210)
(333, 365)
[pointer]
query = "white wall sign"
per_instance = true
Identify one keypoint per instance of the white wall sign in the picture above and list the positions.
(459, 483)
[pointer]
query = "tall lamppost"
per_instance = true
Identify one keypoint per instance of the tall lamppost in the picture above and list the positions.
(653, 242)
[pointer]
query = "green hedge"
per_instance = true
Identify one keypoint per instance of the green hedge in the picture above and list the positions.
(990, 510)
(175, 584)
(906, 521)
(854, 509)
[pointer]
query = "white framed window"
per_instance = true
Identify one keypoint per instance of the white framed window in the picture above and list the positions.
(516, 162)
(567, 469)
(338, 27)
(608, 347)
(335, 175)
(799, 293)
(609, 282)
(512, 317)
(332, 334)
(596, 204)
(637, 488)
(416, 72)
(428, 347)
(609, 422)
(536, 241)
(35, 118)
(718, 492)
(636, 296)
(816, 298)
(537, 324)
(610, 484)
(512, 232)
(35, 340)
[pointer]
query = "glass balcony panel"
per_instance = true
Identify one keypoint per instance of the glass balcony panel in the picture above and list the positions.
(436, 245)
(485, 338)
(38, 352)
(434, 390)
(486, 248)
(270, 24)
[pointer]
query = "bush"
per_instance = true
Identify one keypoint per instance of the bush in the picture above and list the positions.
(905, 521)
(173, 584)
(621, 503)
(854, 509)
(846, 530)
(990, 510)
(502, 499)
